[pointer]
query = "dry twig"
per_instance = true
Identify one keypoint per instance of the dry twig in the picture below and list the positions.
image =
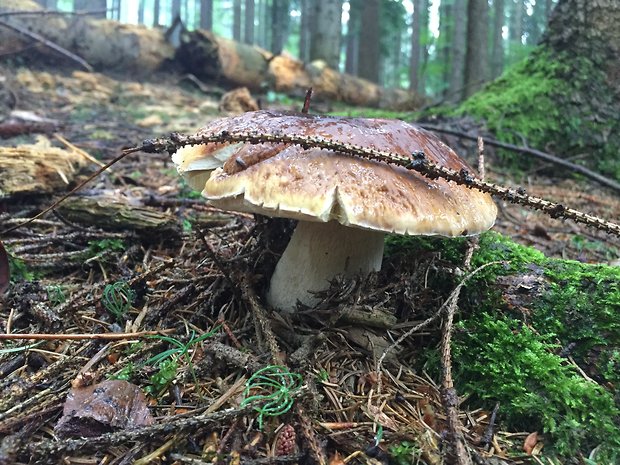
(417, 162)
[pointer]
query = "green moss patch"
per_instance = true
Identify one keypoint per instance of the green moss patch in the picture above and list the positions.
(557, 102)
(518, 351)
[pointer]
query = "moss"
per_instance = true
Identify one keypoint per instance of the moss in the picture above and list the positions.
(558, 102)
(498, 358)
(518, 355)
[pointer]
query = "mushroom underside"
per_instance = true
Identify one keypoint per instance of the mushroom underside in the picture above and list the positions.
(317, 253)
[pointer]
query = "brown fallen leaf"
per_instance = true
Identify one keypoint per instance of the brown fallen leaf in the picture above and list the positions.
(5, 272)
(101, 408)
(530, 443)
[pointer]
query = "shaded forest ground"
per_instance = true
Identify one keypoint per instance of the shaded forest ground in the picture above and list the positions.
(67, 263)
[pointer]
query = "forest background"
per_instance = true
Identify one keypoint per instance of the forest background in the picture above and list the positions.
(444, 49)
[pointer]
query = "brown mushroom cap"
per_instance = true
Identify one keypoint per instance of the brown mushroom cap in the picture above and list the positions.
(320, 185)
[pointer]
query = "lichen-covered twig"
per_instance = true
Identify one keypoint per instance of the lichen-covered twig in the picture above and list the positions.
(417, 162)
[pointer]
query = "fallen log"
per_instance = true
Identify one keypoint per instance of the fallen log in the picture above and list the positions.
(103, 44)
(208, 56)
(113, 214)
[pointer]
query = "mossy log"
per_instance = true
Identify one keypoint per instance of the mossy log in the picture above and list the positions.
(540, 336)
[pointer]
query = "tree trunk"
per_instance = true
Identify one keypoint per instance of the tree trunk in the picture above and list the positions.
(548, 9)
(206, 14)
(476, 59)
(353, 37)
(279, 24)
(304, 29)
(515, 29)
(497, 53)
(325, 41)
(368, 57)
(444, 43)
(236, 32)
(416, 48)
(249, 22)
(156, 11)
(141, 11)
(459, 38)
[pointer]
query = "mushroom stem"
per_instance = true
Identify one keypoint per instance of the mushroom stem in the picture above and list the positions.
(316, 254)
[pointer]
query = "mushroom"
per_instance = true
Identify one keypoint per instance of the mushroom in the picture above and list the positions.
(345, 205)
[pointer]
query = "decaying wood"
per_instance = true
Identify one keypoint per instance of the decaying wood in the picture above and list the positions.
(206, 55)
(104, 44)
(118, 215)
(37, 169)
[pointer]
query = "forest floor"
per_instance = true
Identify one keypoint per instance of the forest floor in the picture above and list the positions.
(80, 272)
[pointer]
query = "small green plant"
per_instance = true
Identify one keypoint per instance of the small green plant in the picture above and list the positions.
(19, 270)
(272, 386)
(55, 295)
(124, 374)
(404, 453)
(187, 225)
(167, 371)
(168, 360)
(104, 245)
(117, 299)
(323, 375)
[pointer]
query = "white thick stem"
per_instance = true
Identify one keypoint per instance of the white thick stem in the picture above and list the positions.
(316, 254)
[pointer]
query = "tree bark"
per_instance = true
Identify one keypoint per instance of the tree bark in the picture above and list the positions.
(476, 66)
(497, 53)
(590, 29)
(325, 40)
(206, 14)
(459, 38)
(248, 35)
(369, 57)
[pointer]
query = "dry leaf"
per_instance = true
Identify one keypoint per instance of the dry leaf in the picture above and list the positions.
(530, 443)
(101, 408)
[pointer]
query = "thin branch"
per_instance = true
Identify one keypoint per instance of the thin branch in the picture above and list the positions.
(417, 162)
(47, 43)
(82, 336)
(533, 152)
